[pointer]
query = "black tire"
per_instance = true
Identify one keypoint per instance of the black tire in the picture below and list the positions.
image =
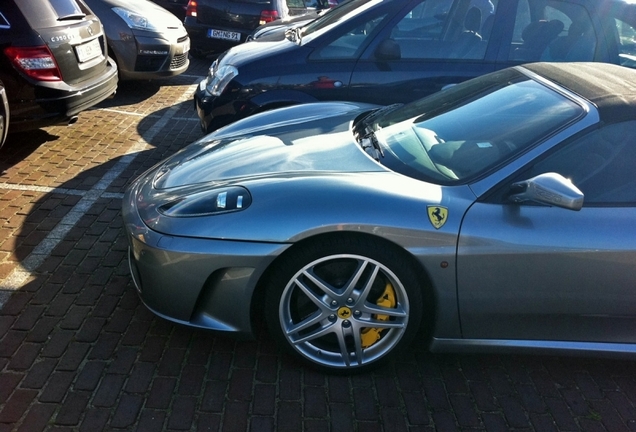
(344, 304)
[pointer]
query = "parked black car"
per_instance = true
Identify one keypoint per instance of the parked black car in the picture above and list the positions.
(145, 40)
(216, 25)
(53, 61)
(394, 51)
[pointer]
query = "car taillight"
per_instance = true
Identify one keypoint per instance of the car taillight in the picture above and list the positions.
(268, 16)
(191, 9)
(36, 62)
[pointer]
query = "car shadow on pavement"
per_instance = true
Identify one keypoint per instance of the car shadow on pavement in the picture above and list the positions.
(20, 145)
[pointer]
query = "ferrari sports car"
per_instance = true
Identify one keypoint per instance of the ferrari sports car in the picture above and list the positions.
(494, 216)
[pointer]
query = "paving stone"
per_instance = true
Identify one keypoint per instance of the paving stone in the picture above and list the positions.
(37, 418)
(28, 317)
(73, 357)
(161, 393)
(140, 378)
(241, 384)
(11, 341)
(39, 373)
(214, 397)
(42, 330)
(108, 391)
(264, 401)
(95, 420)
(17, 405)
(56, 387)
(72, 409)
(182, 416)
(8, 382)
(90, 375)
(24, 357)
(74, 319)
(127, 411)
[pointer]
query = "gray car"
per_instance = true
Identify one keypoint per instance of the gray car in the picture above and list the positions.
(145, 40)
(495, 215)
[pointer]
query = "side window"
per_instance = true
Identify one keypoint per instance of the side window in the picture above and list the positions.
(349, 44)
(600, 164)
(443, 29)
(552, 31)
(522, 20)
(626, 42)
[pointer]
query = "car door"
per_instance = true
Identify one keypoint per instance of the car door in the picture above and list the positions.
(325, 73)
(429, 45)
(534, 272)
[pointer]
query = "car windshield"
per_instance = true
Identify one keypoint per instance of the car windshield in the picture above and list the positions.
(340, 13)
(461, 132)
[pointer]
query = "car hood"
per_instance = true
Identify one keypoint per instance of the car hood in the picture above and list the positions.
(303, 174)
(298, 140)
(158, 15)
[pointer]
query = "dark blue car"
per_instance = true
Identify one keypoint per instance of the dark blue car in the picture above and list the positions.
(396, 51)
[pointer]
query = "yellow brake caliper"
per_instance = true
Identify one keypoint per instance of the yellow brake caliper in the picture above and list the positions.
(369, 335)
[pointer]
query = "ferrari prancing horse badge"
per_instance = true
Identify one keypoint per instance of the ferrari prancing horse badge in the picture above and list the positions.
(437, 215)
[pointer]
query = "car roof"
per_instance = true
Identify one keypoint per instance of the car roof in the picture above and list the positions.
(612, 88)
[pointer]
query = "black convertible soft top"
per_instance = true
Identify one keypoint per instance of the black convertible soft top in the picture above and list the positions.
(610, 87)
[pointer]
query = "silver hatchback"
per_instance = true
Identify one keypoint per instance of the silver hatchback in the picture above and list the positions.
(145, 40)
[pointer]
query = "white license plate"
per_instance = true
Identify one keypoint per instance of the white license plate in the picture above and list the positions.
(221, 34)
(88, 50)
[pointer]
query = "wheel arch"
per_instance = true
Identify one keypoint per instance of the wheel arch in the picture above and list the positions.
(428, 293)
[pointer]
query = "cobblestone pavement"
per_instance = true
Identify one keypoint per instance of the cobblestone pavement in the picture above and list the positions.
(79, 352)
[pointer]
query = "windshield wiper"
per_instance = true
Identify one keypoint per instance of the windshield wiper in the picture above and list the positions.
(371, 146)
(365, 133)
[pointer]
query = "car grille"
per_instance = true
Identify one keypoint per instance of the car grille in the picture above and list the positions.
(178, 61)
(149, 63)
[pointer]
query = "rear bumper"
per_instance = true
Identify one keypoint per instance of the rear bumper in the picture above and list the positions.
(56, 103)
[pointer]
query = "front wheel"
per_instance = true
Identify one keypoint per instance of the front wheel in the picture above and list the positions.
(345, 304)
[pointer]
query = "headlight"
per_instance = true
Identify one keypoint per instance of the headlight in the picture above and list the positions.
(219, 78)
(210, 202)
(134, 20)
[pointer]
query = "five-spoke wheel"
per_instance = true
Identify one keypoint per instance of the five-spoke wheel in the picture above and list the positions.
(344, 305)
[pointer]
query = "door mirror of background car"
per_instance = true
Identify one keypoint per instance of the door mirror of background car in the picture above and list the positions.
(388, 50)
(550, 188)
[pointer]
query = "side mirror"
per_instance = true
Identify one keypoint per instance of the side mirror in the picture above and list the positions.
(388, 50)
(550, 188)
